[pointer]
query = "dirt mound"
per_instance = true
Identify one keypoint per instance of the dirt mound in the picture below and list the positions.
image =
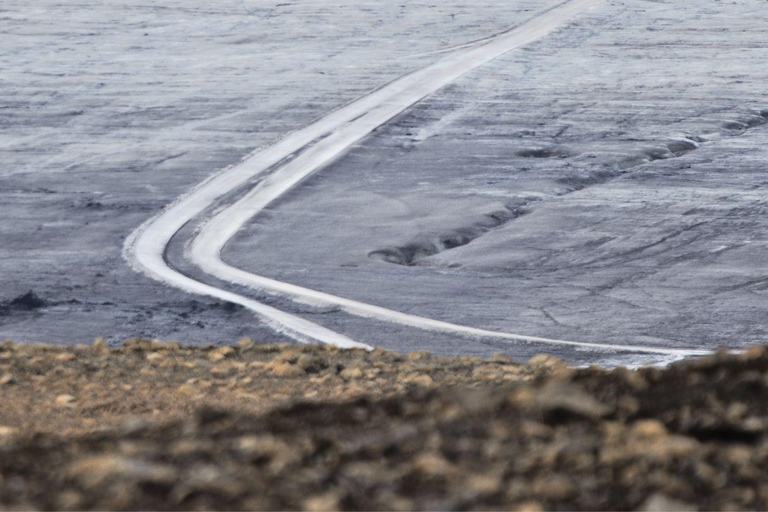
(26, 302)
(499, 435)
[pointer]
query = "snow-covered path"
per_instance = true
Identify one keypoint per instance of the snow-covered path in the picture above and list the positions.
(299, 154)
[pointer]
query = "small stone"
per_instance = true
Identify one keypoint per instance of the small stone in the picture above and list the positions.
(245, 344)
(421, 380)
(7, 379)
(247, 396)
(93, 472)
(322, 502)
(210, 479)
(282, 369)
(660, 449)
(65, 401)
(100, 346)
(557, 401)
(736, 412)
(710, 476)
(487, 373)
(194, 387)
(326, 379)
(351, 373)
(36, 362)
(752, 424)
(555, 488)
(8, 431)
(484, 485)
(536, 430)
(432, 464)
(754, 353)
(221, 353)
(133, 426)
(311, 364)
(418, 355)
(174, 346)
(528, 506)
(286, 356)
(501, 358)
(223, 370)
(70, 500)
(738, 455)
(192, 447)
(156, 344)
(267, 348)
(513, 369)
(649, 428)
(137, 344)
(546, 362)
(661, 503)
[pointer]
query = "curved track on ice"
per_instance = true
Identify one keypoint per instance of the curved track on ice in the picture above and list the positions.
(283, 165)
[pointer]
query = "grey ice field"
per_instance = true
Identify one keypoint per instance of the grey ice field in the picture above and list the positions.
(603, 184)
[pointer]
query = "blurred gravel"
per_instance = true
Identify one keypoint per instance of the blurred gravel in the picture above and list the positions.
(491, 434)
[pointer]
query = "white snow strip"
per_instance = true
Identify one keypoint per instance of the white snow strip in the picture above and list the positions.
(311, 148)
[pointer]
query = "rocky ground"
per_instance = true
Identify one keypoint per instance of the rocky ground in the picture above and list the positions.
(154, 425)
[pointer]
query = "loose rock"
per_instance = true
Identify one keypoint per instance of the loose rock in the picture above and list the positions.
(65, 401)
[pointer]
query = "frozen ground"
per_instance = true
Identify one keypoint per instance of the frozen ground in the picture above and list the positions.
(110, 111)
(609, 183)
(547, 162)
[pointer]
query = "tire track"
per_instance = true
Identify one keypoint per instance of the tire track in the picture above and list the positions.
(290, 160)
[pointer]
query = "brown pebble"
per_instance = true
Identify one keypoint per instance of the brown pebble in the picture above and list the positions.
(418, 355)
(65, 401)
(322, 502)
(93, 472)
(351, 373)
(282, 369)
(528, 506)
(245, 344)
(432, 464)
(501, 358)
(546, 362)
(421, 380)
(311, 364)
(649, 428)
(661, 503)
(221, 353)
(100, 346)
(8, 431)
(70, 500)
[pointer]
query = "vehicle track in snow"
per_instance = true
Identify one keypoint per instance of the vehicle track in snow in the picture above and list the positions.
(277, 169)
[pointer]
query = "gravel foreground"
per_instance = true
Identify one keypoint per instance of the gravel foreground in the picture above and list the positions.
(156, 425)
